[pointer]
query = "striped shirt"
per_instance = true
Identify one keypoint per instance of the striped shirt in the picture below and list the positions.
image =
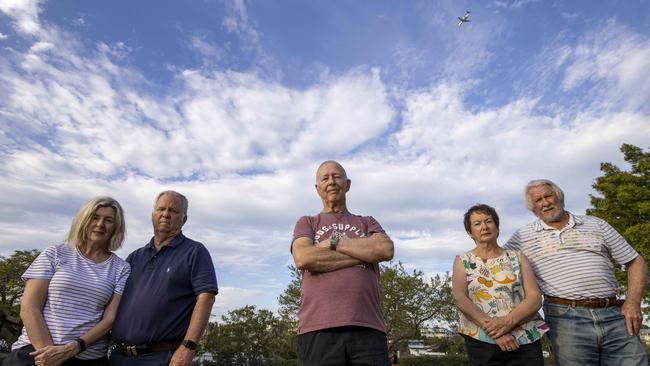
(573, 263)
(77, 294)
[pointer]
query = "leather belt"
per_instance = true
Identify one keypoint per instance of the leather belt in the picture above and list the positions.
(130, 350)
(586, 303)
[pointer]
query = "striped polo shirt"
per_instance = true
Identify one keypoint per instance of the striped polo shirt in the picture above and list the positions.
(77, 294)
(573, 263)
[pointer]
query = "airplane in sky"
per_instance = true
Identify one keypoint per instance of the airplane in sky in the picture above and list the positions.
(464, 18)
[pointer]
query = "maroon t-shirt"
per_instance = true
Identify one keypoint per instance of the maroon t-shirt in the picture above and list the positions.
(348, 296)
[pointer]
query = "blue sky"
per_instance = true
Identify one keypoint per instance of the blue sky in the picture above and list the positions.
(235, 103)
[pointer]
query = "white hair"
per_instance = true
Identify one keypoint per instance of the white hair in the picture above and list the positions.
(542, 182)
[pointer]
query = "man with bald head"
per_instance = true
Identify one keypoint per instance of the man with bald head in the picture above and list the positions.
(167, 300)
(338, 253)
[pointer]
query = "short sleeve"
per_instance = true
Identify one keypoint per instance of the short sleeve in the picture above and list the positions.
(122, 276)
(514, 243)
(43, 267)
(619, 248)
(373, 226)
(303, 228)
(204, 278)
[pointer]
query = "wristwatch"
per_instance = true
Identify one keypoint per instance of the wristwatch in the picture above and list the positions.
(191, 345)
(334, 242)
(82, 344)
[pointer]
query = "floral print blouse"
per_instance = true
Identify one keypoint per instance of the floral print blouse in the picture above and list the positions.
(496, 287)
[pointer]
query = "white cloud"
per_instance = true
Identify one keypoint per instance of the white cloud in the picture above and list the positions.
(616, 60)
(512, 4)
(230, 298)
(207, 50)
(80, 122)
(3, 36)
(79, 21)
(24, 13)
(237, 21)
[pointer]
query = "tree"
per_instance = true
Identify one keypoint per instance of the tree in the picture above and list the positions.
(409, 300)
(11, 283)
(249, 337)
(453, 345)
(11, 290)
(624, 202)
(290, 300)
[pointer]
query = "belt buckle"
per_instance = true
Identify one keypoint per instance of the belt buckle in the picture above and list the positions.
(131, 351)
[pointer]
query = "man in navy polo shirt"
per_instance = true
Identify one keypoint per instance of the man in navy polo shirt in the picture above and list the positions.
(167, 300)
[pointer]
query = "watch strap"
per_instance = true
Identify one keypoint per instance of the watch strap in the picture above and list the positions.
(82, 344)
(334, 242)
(189, 344)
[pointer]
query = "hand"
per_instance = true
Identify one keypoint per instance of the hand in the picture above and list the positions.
(498, 326)
(54, 355)
(182, 357)
(323, 244)
(507, 343)
(632, 313)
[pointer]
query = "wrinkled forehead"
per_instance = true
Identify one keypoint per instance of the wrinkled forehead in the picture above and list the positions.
(169, 199)
(541, 189)
(329, 167)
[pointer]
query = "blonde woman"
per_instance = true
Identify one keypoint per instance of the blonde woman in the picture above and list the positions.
(498, 298)
(72, 292)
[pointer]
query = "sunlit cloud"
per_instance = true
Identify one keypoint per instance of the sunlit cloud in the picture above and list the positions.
(81, 119)
(24, 14)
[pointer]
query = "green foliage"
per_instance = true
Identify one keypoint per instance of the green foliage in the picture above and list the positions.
(11, 290)
(409, 300)
(289, 301)
(452, 346)
(11, 285)
(250, 337)
(624, 202)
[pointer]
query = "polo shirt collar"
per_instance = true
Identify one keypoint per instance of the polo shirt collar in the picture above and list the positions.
(573, 221)
(178, 239)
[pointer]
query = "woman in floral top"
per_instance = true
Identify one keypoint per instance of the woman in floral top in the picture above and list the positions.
(498, 298)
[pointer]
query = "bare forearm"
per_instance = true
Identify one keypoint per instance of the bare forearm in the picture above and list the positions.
(374, 249)
(471, 310)
(637, 276)
(321, 259)
(200, 316)
(37, 331)
(333, 265)
(525, 309)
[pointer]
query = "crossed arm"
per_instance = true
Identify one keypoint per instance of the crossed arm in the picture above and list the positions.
(318, 257)
(31, 312)
(498, 327)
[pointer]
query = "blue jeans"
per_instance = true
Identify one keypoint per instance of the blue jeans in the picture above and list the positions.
(149, 359)
(583, 336)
